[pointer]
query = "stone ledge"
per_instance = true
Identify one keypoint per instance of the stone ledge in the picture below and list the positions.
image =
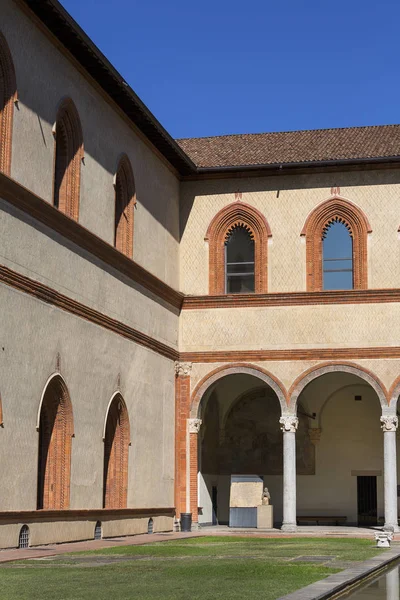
(343, 581)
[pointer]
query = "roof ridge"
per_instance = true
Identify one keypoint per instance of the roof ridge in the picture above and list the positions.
(232, 135)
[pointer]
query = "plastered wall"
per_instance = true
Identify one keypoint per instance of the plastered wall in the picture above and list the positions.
(92, 362)
(286, 201)
(44, 77)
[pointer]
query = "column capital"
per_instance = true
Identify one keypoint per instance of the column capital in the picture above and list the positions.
(183, 369)
(194, 425)
(289, 423)
(389, 423)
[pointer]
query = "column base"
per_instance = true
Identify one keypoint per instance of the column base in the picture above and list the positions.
(195, 526)
(391, 527)
(289, 527)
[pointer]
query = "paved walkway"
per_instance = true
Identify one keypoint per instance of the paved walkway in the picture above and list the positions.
(137, 540)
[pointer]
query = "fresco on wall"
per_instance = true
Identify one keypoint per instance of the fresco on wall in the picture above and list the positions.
(250, 440)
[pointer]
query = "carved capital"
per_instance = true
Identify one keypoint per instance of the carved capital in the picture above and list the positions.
(289, 423)
(315, 435)
(183, 369)
(194, 425)
(389, 423)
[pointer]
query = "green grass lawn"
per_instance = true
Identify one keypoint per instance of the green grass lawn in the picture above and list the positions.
(199, 568)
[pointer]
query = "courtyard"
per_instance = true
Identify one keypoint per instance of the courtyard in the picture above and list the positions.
(199, 567)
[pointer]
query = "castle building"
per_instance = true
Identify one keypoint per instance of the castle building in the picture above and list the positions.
(177, 311)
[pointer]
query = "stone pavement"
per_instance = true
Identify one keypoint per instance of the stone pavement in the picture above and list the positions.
(133, 540)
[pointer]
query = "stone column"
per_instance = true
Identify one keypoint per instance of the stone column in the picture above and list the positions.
(289, 425)
(182, 408)
(193, 495)
(389, 426)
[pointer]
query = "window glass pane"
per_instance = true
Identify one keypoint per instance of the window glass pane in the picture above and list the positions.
(240, 285)
(337, 248)
(239, 261)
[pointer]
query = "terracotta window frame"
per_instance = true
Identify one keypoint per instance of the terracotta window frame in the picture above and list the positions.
(116, 454)
(125, 200)
(56, 430)
(9, 96)
(234, 215)
(334, 209)
(68, 155)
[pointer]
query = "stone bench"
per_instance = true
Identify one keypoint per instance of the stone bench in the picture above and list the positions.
(321, 520)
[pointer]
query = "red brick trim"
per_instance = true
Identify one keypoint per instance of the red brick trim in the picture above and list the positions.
(394, 391)
(21, 516)
(341, 367)
(45, 213)
(292, 299)
(124, 205)
(358, 226)
(68, 157)
(227, 356)
(237, 213)
(194, 494)
(50, 296)
(55, 441)
(116, 453)
(182, 403)
(8, 95)
(236, 367)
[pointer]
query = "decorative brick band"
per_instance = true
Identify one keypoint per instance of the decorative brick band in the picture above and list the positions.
(69, 154)
(336, 208)
(45, 213)
(50, 296)
(8, 95)
(124, 205)
(55, 445)
(237, 214)
(292, 299)
(116, 452)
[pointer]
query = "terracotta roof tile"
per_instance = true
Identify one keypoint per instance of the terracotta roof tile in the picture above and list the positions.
(294, 146)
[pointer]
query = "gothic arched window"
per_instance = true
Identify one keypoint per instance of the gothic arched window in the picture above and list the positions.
(8, 94)
(337, 257)
(116, 447)
(124, 204)
(69, 153)
(239, 261)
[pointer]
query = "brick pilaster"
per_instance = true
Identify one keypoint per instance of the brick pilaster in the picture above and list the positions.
(182, 407)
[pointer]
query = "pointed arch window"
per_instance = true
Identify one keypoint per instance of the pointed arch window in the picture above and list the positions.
(239, 261)
(337, 256)
(68, 157)
(336, 235)
(238, 247)
(55, 444)
(124, 205)
(8, 95)
(116, 449)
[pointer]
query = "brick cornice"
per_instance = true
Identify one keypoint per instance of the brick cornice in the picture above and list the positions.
(91, 513)
(292, 299)
(51, 296)
(42, 211)
(226, 356)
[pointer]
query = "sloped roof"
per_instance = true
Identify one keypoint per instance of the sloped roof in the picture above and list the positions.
(294, 146)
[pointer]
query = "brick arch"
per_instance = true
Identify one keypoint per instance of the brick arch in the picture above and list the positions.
(55, 426)
(394, 393)
(317, 222)
(8, 95)
(125, 198)
(232, 369)
(68, 157)
(233, 215)
(332, 367)
(116, 450)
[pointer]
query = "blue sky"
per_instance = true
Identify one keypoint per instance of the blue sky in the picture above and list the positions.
(218, 67)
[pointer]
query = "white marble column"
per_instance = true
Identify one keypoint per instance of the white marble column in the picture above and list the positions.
(389, 426)
(289, 425)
